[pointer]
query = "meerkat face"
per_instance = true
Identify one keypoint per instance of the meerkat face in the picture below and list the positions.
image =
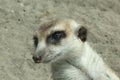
(56, 38)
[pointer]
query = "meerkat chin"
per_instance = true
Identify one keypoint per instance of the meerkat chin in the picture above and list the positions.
(63, 44)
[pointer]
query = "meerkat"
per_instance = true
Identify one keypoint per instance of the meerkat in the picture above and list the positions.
(63, 44)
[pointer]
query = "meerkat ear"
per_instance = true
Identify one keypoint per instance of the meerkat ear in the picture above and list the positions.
(82, 33)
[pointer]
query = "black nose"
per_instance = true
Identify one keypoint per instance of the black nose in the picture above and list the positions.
(37, 59)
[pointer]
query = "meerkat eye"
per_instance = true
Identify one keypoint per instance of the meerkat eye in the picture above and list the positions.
(55, 37)
(35, 41)
(58, 35)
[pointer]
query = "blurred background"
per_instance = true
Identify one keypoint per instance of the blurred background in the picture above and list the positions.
(20, 18)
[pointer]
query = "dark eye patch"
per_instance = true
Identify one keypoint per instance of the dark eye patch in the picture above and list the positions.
(35, 41)
(55, 37)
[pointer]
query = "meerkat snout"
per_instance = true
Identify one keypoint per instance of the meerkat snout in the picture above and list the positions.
(37, 59)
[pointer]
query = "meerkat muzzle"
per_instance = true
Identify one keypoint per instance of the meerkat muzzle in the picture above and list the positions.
(37, 59)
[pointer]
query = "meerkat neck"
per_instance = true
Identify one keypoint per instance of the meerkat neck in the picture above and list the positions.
(93, 64)
(91, 61)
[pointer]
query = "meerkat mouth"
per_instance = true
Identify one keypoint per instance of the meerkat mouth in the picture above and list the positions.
(53, 59)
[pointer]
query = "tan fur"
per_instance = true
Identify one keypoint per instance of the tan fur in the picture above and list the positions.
(50, 26)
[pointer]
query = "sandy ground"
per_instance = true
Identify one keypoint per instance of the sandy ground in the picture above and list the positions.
(20, 18)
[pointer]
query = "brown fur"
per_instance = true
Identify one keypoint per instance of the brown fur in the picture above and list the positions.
(44, 29)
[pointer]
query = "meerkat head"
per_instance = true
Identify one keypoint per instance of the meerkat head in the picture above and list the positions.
(56, 38)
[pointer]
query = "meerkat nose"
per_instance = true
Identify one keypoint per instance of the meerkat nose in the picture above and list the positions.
(37, 59)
